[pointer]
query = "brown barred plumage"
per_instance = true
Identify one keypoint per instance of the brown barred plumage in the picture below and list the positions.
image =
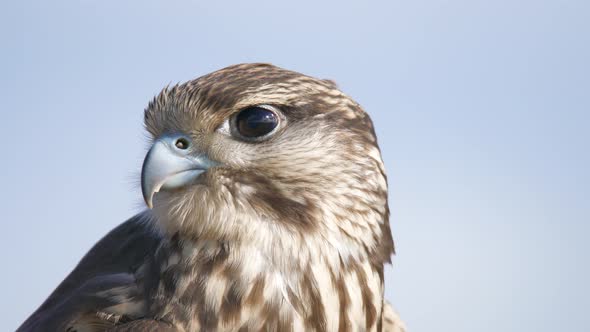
(289, 233)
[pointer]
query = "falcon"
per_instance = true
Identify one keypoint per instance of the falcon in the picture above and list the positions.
(266, 210)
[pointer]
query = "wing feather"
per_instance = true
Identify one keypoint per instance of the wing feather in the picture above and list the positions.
(105, 277)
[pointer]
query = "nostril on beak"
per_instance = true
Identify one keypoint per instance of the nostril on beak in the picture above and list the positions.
(181, 143)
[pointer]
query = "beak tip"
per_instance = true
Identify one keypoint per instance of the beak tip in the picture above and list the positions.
(148, 199)
(145, 193)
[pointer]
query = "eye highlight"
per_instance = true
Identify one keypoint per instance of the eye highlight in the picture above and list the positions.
(256, 122)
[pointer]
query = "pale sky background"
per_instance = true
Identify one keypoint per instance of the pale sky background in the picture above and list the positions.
(482, 110)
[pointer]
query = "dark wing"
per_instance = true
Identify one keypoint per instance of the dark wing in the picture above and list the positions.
(105, 277)
(144, 325)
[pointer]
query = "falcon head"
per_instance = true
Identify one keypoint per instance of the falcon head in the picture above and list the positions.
(257, 154)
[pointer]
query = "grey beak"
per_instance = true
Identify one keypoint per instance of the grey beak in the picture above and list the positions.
(169, 164)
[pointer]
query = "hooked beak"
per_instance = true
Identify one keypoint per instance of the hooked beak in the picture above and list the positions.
(169, 164)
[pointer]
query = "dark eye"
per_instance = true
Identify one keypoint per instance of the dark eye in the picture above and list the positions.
(256, 121)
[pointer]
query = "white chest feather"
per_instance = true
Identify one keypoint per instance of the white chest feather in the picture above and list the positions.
(213, 287)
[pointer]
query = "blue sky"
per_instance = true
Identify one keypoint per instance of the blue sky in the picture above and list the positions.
(482, 110)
